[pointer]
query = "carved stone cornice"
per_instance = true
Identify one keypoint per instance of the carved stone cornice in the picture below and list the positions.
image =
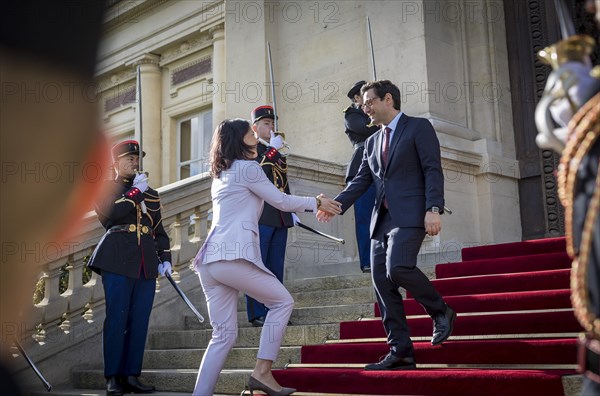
(124, 12)
(184, 49)
(119, 77)
(146, 59)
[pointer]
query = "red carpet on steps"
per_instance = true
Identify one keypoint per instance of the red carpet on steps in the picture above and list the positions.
(504, 265)
(513, 305)
(537, 299)
(526, 351)
(507, 323)
(445, 382)
(540, 246)
(539, 280)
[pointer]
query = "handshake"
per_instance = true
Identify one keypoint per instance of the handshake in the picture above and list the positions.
(327, 208)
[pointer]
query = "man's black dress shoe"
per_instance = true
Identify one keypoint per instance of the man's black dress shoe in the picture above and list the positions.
(132, 384)
(393, 362)
(258, 322)
(442, 326)
(113, 386)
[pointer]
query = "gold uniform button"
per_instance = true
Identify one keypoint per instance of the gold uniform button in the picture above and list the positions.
(132, 227)
(145, 229)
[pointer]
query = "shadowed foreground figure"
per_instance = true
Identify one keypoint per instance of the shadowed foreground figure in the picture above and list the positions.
(571, 100)
(47, 121)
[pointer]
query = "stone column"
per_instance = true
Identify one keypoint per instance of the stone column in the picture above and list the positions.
(218, 71)
(151, 113)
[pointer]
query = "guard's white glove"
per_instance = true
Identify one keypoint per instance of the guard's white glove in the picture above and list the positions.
(141, 182)
(165, 268)
(295, 218)
(276, 141)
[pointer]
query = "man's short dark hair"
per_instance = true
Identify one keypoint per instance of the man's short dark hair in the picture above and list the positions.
(382, 87)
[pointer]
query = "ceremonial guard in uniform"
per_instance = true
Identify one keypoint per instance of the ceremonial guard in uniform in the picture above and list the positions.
(568, 121)
(273, 223)
(579, 186)
(134, 249)
(359, 128)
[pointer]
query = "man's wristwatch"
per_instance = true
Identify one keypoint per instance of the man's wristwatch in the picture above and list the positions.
(434, 209)
(318, 202)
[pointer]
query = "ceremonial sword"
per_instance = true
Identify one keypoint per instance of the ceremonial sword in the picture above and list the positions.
(143, 204)
(33, 366)
(139, 107)
(340, 240)
(274, 98)
(371, 48)
(184, 297)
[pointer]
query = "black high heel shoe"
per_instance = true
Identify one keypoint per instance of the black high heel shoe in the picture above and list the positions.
(254, 384)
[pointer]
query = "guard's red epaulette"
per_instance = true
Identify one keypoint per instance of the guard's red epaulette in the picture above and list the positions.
(271, 153)
(134, 194)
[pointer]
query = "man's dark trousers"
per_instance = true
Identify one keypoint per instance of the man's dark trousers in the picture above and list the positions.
(394, 253)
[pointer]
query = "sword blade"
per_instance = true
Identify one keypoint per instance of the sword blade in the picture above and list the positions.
(567, 29)
(140, 137)
(272, 87)
(139, 115)
(33, 366)
(184, 298)
(370, 37)
(340, 240)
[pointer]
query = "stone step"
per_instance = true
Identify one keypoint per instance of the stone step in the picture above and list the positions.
(99, 392)
(335, 282)
(302, 316)
(356, 295)
(247, 336)
(320, 269)
(231, 382)
(238, 358)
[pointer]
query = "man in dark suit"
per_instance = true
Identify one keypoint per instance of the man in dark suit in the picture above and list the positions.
(403, 160)
(359, 128)
(130, 255)
(273, 224)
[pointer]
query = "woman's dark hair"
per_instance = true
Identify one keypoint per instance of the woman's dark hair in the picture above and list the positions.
(228, 145)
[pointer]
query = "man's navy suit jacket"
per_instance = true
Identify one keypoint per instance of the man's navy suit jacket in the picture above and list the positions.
(412, 181)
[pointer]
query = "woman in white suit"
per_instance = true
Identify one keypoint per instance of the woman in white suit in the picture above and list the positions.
(229, 262)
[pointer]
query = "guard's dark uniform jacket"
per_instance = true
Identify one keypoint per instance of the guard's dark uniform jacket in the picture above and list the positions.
(134, 242)
(578, 179)
(275, 167)
(358, 131)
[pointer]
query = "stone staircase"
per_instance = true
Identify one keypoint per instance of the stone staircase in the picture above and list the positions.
(516, 336)
(172, 357)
